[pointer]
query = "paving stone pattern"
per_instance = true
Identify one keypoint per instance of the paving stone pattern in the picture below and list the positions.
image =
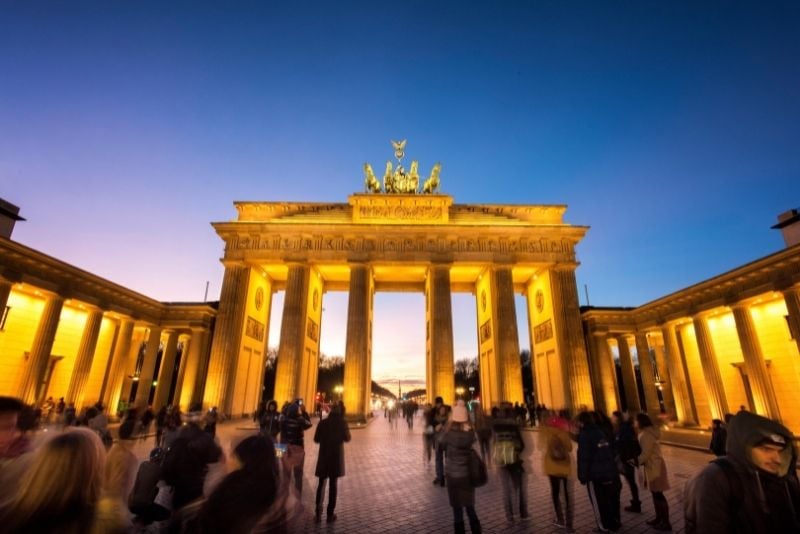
(388, 486)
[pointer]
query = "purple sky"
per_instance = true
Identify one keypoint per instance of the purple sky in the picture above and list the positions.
(670, 128)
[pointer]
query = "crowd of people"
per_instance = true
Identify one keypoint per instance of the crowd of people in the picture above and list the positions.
(77, 480)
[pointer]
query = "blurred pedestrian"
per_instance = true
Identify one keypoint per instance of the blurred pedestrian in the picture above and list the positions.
(457, 439)
(718, 437)
(293, 427)
(655, 470)
(508, 446)
(556, 446)
(331, 434)
(627, 449)
(597, 470)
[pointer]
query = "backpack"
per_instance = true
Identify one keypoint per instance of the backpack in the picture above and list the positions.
(178, 460)
(505, 452)
(556, 450)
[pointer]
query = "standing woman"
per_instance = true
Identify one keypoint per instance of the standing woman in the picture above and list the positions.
(655, 471)
(457, 440)
(331, 434)
(270, 421)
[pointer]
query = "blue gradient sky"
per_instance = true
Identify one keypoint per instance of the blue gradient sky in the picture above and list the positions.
(670, 128)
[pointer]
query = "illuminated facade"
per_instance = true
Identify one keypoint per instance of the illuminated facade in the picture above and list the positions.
(68, 333)
(706, 350)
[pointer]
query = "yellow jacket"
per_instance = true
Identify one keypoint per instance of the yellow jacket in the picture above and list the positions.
(550, 466)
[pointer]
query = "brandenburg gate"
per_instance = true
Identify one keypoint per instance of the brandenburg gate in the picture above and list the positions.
(398, 236)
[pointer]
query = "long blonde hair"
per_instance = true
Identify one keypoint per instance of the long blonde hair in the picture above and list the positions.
(64, 482)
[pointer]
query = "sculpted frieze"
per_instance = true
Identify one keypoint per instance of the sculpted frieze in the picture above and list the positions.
(400, 244)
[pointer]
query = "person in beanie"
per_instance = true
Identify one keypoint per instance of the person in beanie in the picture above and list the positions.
(753, 488)
(457, 440)
(331, 434)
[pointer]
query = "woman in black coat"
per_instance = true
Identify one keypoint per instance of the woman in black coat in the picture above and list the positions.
(331, 434)
(457, 440)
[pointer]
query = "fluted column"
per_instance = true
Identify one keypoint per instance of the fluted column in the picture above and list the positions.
(227, 338)
(290, 349)
(792, 298)
(84, 357)
(632, 404)
(119, 365)
(507, 355)
(666, 381)
(202, 345)
(648, 375)
(681, 387)
(708, 358)
(609, 397)
(356, 359)
(569, 338)
(39, 356)
(185, 341)
(441, 333)
(148, 368)
(166, 371)
(763, 393)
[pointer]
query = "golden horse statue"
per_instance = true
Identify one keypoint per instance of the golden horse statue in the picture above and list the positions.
(388, 179)
(371, 184)
(431, 185)
(413, 177)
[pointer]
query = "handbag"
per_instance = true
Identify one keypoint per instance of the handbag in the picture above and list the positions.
(478, 476)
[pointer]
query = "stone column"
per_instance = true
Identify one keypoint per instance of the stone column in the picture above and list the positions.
(757, 374)
(119, 366)
(666, 381)
(5, 292)
(507, 337)
(569, 338)
(148, 368)
(201, 344)
(648, 376)
(792, 298)
(708, 358)
(39, 356)
(596, 373)
(356, 359)
(681, 387)
(84, 357)
(293, 332)
(628, 376)
(227, 338)
(441, 333)
(185, 341)
(167, 370)
(608, 375)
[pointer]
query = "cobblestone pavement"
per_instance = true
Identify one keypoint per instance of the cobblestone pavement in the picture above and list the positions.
(388, 486)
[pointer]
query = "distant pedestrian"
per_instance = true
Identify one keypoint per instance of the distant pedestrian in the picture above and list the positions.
(269, 424)
(508, 446)
(457, 440)
(161, 424)
(655, 470)
(719, 436)
(331, 434)
(211, 419)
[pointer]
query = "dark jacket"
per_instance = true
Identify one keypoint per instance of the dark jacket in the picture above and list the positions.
(331, 434)
(625, 442)
(293, 425)
(270, 422)
(595, 456)
(186, 463)
(718, 438)
(744, 498)
(145, 489)
(458, 445)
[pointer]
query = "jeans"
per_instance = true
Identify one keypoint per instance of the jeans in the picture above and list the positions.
(439, 463)
(556, 483)
(629, 472)
(331, 494)
(514, 484)
(458, 519)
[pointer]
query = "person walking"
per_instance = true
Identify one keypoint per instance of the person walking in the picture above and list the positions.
(753, 489)
(627, 449)
(556, 444)
(597, 470)
(483, 429)
(331, 434)
(655, 470)
(293, 426)
(457, 439)
(440, 418)
(508, 447)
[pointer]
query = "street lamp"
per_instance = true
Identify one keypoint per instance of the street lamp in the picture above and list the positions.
(459, 391)
(339, 389)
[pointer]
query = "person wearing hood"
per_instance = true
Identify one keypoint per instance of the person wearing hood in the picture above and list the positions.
(331, 434)
(753, 488)
(655, 470)
(269, 421)
(457, 440)
(597, 470)
(293, 426)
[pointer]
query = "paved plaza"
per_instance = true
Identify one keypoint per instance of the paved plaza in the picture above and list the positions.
(388, 486)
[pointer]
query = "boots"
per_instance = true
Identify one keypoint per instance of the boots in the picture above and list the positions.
(459, 528)
(662, 515)
(635, 507)
(474, 526)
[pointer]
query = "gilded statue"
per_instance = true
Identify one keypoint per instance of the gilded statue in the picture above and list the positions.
(388, 179)
(371, 184)
(399, 149)
(413, 177)
(431, 185)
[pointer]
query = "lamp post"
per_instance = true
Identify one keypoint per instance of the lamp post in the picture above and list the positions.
(459, 392)
(471, 392)
(339, 389)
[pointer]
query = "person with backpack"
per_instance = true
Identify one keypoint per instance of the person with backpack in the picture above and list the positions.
(508, 445)
(655, 470)
(142, 499)
(555, 441)
(627, 448)
(457, 439)
(186, 461)
(597, 470)
(753, 489)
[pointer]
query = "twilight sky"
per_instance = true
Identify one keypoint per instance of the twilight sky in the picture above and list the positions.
(671, 128)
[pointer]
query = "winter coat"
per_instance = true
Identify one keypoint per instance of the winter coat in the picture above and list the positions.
(718, 437)
(271, 423)
(627, 446)
(595, 456)
(458, 446)
(331, 434)
(551, 467)
(145, 488)
(745, 499)
(293, 425)
(655, 469)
